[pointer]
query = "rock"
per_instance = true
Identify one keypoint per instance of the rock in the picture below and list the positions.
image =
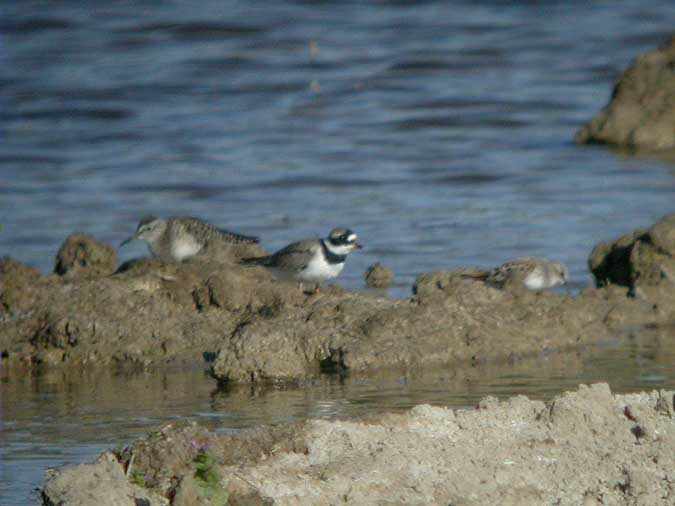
(644, 262)
(82, 255)
(266, 351)
(378, 276)
(515, 451)
(430, 283)
(16, 280)
(641, 113)
(639, 259)
(102, 482)
(236, 289)
(609, 262)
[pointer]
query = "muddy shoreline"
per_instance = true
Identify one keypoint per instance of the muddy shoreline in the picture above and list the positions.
(249, 327)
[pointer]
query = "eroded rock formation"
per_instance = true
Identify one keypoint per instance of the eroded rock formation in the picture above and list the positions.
(641, 112)
(151, 312)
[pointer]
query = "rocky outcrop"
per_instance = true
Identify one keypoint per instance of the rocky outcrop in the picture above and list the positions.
(378, 276)
(450, 320)
(643, 261)
(585, 447)
(81, 255)
(16, 281)
(102, 482)
(641, 112)
(253, 328)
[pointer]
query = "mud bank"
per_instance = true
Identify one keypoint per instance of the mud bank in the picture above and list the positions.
(584, 447)
(640, 113)
(253, 328)
(151, 312)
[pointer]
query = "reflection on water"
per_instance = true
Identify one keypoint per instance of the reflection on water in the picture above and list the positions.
(61, 418)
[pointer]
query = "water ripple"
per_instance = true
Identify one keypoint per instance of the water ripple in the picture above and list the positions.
(197, 30)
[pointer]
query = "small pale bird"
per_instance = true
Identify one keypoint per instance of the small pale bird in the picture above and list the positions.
(178, 238)
(533, 273)
(311, 260)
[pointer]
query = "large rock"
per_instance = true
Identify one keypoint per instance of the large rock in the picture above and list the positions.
(16, 281)
(378, 276)
(102, 483)
(22, 293)
(82, 255)
(643, 259)
(584, 447)
(641, 113)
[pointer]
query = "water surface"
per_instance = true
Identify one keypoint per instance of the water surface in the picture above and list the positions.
(58, 418)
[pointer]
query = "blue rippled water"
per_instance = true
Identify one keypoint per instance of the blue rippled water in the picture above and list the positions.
(441, 132)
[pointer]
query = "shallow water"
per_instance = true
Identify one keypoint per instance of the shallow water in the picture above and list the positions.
(54, 419)
(441, 133)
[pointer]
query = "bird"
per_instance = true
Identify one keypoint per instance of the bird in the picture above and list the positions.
(533, 273)
(311, 260)
(181, 237)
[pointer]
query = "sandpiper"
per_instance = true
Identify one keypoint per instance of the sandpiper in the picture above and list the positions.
(311, 260)
(178, 238)
(534, 273)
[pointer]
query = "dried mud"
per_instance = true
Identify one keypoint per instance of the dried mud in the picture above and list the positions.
(584, 447)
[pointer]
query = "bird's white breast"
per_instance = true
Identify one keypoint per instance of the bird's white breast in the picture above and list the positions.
(318, 269)
(536, 280)
(184, 247)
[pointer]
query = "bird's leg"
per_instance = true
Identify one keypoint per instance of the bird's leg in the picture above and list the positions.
(313, 289)
(310, 291)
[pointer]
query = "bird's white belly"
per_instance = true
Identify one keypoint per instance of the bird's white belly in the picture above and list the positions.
(184, 248)
(319, 270)
(535, 281)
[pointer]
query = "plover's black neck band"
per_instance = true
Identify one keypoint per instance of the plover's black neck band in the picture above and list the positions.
(331, 257)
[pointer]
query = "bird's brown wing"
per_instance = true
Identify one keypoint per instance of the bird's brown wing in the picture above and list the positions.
(295, 256)
(476, 274)
(202, 229)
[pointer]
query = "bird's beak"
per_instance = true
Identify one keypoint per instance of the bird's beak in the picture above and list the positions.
(127, 241)
(357, 246)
